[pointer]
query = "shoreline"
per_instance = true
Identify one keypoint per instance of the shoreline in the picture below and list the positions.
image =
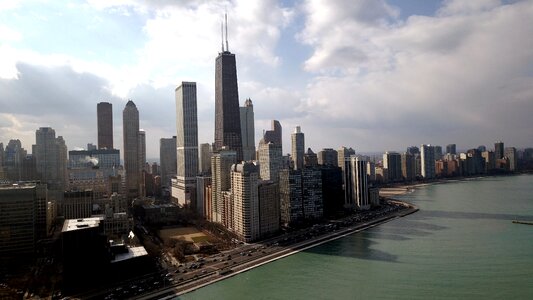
(299, 247)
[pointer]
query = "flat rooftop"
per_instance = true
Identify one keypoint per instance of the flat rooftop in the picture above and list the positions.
(77, 224)
(133, 252)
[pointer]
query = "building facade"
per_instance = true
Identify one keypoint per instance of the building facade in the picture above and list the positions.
(274, 134)
(130, 119)
(270, 160)
(244, 190)
(248, 130)
(298, 148)
(227, 113)
(328, 157)
(167, 159)
(104, 111)
(186, 142)
(221, 181)
(427, 160)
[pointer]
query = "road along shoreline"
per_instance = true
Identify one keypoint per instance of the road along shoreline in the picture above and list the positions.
(293, 249)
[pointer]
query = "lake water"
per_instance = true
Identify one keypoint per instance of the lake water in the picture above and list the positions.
(462, 244)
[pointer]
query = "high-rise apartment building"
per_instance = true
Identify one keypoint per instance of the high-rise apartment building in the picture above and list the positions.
(22, 220)
(510, 154)
(142, 150)
(130, 119)
(451, 149)
(186, 142)
(408, 166)
(12, 160)
(356, 184)
(268, 192)
(438, 152)
(298, 148)
(104, 112)
(312, 201)
(168, 160)
(247, 130)
(290, 192)
(343, 154)
(328, 157)
(392, 161)
(221, 181)
(490, 161)
(244, 189)
(413, 150)
(499, 150)
(427, 160)
(270, 160)
(310, 158)
(274, 135)
(51, 158)
(227, 113)
(204, 157)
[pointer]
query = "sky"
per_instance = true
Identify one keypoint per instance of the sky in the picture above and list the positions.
(375, 75)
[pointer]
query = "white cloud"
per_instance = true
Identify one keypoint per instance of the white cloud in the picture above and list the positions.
(427, 79)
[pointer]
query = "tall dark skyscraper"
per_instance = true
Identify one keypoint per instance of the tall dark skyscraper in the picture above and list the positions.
(104, 111)
(227, 113)
(498, 150)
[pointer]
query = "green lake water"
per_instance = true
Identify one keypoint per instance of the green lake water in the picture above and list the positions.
(462, 244)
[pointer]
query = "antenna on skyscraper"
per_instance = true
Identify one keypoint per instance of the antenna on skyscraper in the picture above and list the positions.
(226, 19)
(222, 35)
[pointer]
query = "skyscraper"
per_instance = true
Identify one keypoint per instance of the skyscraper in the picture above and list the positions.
(51, 157)
(510, 154)
(168, 159)
(105, 125)
(298, 148)
(186, 142)
(221, 181)
(244, 188)
(393, 163)
(343, 154)
(142, 150)
(328, 157)
(274, 135)
(227, 113)
(270, 160)
(408, 166)
(247, 130)
(205, 158)
(451, 149)
(498, 150)
(427, 159)
(356, 189)
(130, 119)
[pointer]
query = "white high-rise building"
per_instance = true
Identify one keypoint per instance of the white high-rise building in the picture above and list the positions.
(186, 143)
(244, 189)
(427, 159)
(247, 130)
(270, 160)
(221, 182)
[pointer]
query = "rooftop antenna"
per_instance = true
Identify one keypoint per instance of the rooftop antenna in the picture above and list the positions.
(222, 35)
(226, 19)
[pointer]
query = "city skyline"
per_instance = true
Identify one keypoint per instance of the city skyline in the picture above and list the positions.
(404, 66)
